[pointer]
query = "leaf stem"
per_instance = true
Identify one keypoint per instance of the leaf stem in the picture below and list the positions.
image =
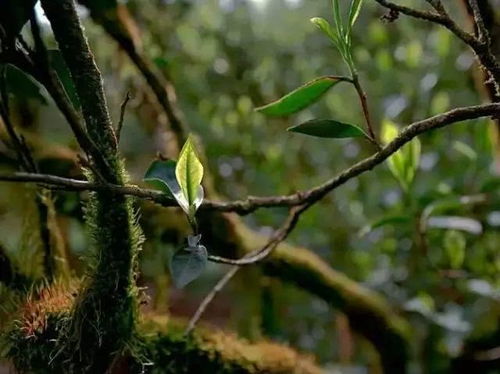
(364, 105)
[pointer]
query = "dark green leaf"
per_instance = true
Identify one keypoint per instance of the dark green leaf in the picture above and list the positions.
(188, 264)
(161, 175)
(300, 98)
(57, 63)
(326, 128)
(22, 86)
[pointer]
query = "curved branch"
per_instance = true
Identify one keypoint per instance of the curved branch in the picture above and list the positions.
(480, 45)
(251, 204)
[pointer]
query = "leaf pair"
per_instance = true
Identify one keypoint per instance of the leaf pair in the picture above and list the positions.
(305, 96)
(181, 179)
(341, 35)
(404, 163)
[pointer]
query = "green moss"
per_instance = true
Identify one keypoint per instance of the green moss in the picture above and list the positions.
(104, 315)
(36, 343)
(213, 351)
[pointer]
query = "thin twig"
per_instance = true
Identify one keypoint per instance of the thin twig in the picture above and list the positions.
(251, 204)
(123, 106)
(278, 236)
(251, 258)
(481, 47)
(366, 111)
(210, 297)
(439, 18)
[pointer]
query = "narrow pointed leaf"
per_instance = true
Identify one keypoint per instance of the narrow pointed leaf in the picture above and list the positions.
(325, 128)
(189, 172)
(187, 264)
(354, 11)
(337, 16)
(59, 65)
(300, 98)
(324, 26)
(161, 176)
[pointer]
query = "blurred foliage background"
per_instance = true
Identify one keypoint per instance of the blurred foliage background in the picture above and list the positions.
(225, 57)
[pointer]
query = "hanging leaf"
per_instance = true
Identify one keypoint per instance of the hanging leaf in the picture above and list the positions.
(188, 263)
(300, 98)
(325, 128)
(161, 176)
(22, 85)
(404, 163)
(189, 173)
(454, 244)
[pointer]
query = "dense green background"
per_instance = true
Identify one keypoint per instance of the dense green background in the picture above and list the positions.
(226, 58)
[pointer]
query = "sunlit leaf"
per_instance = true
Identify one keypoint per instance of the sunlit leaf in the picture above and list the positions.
(300, 98)
(325, 128)
(324, 26)
(189, 172)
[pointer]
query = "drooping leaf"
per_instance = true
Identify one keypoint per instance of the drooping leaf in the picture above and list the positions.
(300, 98)
(326, 128)
(189, 172)
(57, 63)
(22, 86)
(454, 244)
(404, 163)
(187, 264)
(161, 176)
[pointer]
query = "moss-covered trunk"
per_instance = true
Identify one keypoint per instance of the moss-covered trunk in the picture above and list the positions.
(103, 318)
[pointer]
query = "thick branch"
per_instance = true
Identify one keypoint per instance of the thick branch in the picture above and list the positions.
(86, 77)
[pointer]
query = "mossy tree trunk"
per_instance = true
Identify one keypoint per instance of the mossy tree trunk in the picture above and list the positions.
(103, 318)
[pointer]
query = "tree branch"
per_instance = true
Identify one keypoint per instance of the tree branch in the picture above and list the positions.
(251, 258)
(251, 204)
(480, 45)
